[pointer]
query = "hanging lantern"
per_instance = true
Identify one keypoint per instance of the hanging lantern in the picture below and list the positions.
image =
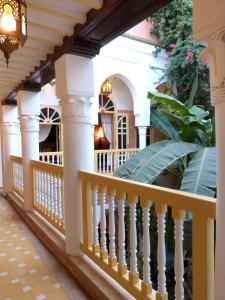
(13, 26)
(106, 88)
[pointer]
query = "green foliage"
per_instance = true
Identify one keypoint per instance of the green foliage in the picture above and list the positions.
(181, 121)
(173, 26)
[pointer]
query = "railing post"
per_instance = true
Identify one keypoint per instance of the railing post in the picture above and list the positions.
(203, 258)
(87, 214)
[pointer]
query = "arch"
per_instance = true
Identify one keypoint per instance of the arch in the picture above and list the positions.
(49, 115)
(127, 82)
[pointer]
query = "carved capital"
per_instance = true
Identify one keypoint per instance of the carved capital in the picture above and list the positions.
(76, 110)
(10, 128)
(215, 55)
(29, 123)
(142, 130)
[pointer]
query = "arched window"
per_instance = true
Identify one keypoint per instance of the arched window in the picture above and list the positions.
(106, 104)
(49, 115)
(50, 134)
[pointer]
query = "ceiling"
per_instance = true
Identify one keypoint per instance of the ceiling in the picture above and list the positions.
(56, 27)
(48, 23)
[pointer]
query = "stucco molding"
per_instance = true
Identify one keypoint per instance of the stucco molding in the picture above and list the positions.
(215, 56)
(76, 109)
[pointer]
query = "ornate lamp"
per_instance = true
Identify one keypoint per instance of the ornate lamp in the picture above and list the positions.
(13, 26)
(106, 88)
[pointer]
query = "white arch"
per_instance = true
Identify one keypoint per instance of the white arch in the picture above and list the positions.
(134, 76)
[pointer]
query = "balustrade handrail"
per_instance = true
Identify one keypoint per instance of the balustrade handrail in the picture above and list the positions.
(100, 246)
(51, 168)
(17, 159)
(50, 153)
(127, 150)
(202, 205)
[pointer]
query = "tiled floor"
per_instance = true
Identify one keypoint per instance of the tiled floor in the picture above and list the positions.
(27, 269)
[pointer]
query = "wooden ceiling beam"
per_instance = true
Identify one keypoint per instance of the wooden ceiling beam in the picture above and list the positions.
(102, 26)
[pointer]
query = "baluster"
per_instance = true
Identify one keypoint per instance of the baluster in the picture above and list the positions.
(178, 216)
(133, 274)
(96, 246)
(103, 252)
(122, 267)
(52, 196)
(62, 201)
(146, 285)
(161, 253)
(59, 200)
(100, 162)
(42, 191)
(54, 183)
(112, 247)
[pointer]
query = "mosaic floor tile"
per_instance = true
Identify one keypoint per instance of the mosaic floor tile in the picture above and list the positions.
(27, 269)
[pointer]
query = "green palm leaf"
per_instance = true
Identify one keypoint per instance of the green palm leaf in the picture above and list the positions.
(200, 175)
(162, 123)
(170, 102)
(146, 165)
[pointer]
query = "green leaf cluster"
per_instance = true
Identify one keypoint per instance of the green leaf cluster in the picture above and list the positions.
(181, 121)
(173, 26)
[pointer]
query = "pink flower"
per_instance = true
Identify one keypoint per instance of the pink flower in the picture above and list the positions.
(190, 54)
(172, 45)
(166, 65)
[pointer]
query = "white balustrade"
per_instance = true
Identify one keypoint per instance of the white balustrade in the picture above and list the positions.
(104, 253)
(48, 193)
(51, 157)
(107, 161)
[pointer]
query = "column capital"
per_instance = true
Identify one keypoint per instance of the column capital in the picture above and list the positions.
(29, 123)
(215, 55)
(76, 109)
(142, 130)
(10, 128)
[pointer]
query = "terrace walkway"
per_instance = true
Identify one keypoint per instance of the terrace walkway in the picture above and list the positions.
(27, 269)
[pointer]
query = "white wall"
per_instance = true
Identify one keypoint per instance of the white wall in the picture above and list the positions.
(121, 94)
(129, 61)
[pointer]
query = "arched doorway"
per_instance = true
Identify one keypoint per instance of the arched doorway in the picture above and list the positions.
(116, 116)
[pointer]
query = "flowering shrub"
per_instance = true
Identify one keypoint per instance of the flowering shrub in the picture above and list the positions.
(173, 26)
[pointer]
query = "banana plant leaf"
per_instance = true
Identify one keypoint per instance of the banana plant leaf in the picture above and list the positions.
(200, 175)
(170, 102)
(146, 165)
(161, 122)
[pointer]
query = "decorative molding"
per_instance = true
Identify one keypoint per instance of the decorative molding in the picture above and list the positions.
(138, 39)
(76, 110)
(102, 26)
(10, 128)
(142, 130)
(215, 53)
(29, 123)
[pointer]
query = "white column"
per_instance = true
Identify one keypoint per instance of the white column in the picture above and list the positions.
(10, 133)
(74, 86)
(142, 130)
(29, 110)
(215, 55)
